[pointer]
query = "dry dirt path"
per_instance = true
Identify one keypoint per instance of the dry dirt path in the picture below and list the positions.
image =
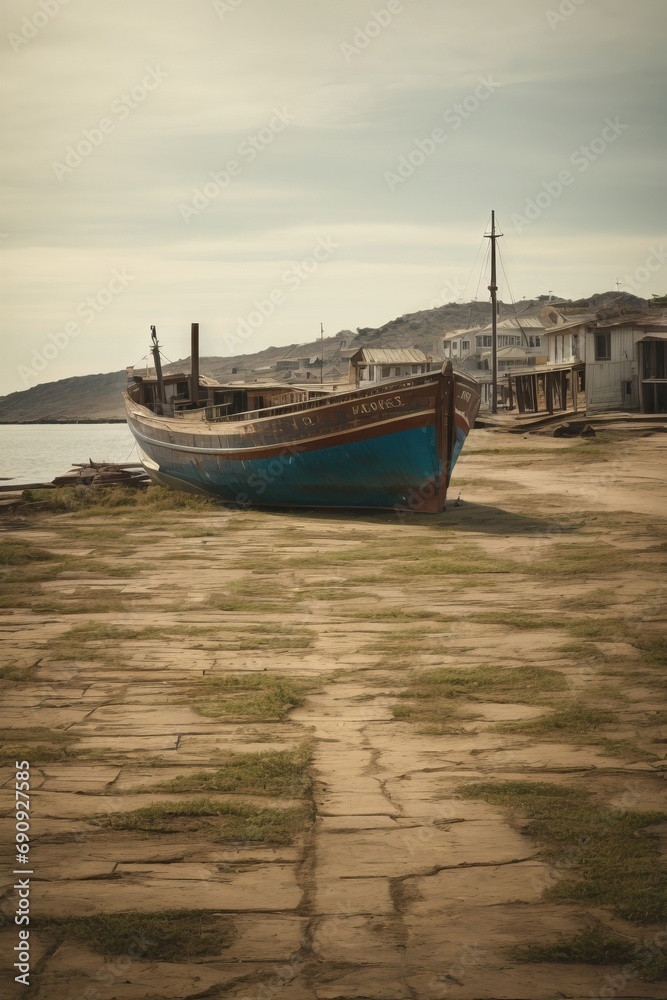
(400, 887)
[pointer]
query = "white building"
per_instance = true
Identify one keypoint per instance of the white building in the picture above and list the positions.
(624, 353)
(520, 341)
(371, 365)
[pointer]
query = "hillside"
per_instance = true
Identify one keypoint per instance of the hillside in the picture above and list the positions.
(99, 397)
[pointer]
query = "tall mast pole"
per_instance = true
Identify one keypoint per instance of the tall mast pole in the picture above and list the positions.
(321, 353)
(161, 399)
(493, 288)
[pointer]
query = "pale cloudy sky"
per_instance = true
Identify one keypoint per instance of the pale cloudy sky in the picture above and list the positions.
(370, 140)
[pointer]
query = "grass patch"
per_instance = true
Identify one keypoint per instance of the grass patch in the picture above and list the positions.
(625, 749)
(595, 945)
(102, 631)
(88, 602)
(167, 936)
(467, 563)
(583, 651)
(432, 694)
(222, 602)
(572, 720)
(653, 649)
(597, 599)
(271, 772)
(418, 559)
(602, 629)
(110, 499)
(37, 744)
(257, 697)
(198, 533)
(19, 675)
(579, 560)
(519, 619)
(607, 856)
(399, 614)
(262, 587)
(578, 724)
(344, 593)
(220, 821)
(18, 552)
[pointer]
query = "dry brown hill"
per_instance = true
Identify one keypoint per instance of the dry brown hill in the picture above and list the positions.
(99, 397)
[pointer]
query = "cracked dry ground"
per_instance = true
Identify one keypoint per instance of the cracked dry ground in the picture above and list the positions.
(395, 884)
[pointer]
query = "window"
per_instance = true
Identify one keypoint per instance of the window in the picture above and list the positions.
(535, 341)
(465, 345)
(559, 340)
(386, 371)
(484, 341)
(455, 347)
(603, 347)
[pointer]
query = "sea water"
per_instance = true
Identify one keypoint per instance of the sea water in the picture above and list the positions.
(35, 453)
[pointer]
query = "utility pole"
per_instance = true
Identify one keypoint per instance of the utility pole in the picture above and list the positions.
(493, 288)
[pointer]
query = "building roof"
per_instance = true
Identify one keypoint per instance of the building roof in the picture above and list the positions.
(453, 334)
(522, 325)
(597, 321)
(510, 353)
(390, 356)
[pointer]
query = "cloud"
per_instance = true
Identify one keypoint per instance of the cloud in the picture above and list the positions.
(223, 79)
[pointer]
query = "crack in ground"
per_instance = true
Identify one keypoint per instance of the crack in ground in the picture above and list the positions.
(436, 869)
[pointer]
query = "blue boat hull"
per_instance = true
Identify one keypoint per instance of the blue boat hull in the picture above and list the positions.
(392, 447)
(394, 471)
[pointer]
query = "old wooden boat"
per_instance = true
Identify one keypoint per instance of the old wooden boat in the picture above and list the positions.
(388, 445)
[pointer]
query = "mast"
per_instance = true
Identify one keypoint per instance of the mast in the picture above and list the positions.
(321, 353)
(493, 288)
(155, 349)
(194, 363)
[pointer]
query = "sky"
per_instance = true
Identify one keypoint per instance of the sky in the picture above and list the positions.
(264, 166)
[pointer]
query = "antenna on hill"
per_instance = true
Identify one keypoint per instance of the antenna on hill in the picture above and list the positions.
(618, 284)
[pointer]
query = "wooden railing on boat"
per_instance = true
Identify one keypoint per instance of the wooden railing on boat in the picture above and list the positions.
(214, 416)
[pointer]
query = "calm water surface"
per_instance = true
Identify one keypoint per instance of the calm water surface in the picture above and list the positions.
(35, 453)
